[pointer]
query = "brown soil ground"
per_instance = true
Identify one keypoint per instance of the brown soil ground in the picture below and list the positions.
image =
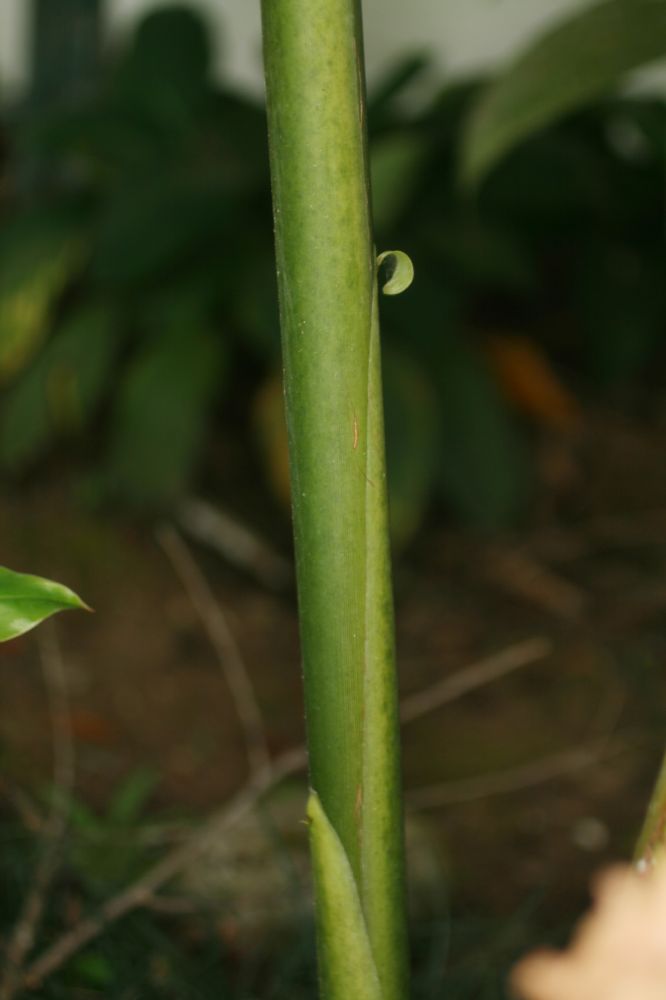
(587, 575)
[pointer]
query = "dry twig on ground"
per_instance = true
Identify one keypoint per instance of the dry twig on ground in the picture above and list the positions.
(518, 573)
(222, 638)
(142, 893)
(236, 542)
(512, 779)
(22, 804)
(474, 676)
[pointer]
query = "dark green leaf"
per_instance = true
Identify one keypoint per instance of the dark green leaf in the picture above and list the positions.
(622, 308)
(59, 393)
(130, 798)
(103, 137)
(160, 416)
(149, 228)
(483, 469)
(94, 969)
(396, 160)
(172, 45)
(566, 68)
(554, 182)
(483, 256)
(410, 411)
(256, 304)
(165, 71)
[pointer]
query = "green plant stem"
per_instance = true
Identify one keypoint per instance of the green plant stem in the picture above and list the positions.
(652, 839)
(328, 300)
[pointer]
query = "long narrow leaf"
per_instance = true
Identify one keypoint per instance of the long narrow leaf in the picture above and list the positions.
(563, 70)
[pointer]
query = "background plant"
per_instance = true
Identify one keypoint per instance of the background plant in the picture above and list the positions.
(139, 229)
(613, 154)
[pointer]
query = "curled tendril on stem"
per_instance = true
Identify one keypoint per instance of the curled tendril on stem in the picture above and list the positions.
(399, 271)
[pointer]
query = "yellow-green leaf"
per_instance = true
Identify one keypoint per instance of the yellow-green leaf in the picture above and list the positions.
(346, 966)
(38, 256)
(26, 600)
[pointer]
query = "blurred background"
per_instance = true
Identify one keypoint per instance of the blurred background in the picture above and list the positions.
(143, 462)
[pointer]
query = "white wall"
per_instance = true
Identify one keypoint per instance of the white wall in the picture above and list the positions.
(463, 35)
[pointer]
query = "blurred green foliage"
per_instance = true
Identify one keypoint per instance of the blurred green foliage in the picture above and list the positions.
(137, 298)
(571, 64)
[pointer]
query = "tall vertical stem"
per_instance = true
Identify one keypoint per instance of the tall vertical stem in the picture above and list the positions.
(327, 281)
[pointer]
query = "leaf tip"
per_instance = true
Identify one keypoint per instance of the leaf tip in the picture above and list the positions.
(314, 810)
(26, 601)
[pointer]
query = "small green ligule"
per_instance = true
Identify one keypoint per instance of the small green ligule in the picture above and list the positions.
(401, 271)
